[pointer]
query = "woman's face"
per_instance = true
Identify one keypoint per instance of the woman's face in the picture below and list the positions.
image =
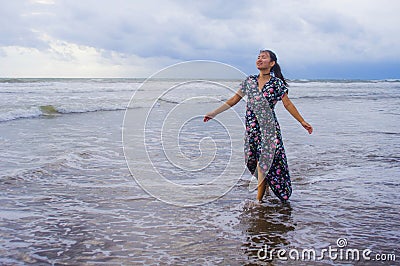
(263, 61)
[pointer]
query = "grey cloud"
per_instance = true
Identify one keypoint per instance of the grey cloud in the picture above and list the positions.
(16, 27)
(154, 28)
(229, 31)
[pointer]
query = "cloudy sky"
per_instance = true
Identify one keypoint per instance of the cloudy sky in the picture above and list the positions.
(349, 39)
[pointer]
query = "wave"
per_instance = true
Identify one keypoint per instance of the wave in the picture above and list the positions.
(50, 111)
(20, 114)
(20, 80)
(68, 80)
(168, 101)
(391, 80)
(54, 110)
(56, 91)
(141, 80)
(344, 80)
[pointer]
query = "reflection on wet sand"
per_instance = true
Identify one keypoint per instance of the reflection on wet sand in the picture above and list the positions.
(265, 224)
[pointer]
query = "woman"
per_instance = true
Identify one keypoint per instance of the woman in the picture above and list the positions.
(263, 92)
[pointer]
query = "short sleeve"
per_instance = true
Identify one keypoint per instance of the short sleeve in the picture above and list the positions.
(243, 87)
(280, 89)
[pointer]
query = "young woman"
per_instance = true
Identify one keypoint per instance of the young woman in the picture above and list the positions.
(263, 92)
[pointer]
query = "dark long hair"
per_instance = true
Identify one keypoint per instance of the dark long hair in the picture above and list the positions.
(276, 68)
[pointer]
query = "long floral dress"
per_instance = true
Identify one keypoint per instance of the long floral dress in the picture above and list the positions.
(263, 139)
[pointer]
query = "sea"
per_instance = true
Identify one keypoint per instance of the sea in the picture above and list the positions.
(76, 155)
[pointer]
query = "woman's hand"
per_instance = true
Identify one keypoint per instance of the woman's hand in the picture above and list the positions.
(307, 126)
(209, 116)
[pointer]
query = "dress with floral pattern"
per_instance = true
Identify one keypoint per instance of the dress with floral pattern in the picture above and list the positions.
(263, 139)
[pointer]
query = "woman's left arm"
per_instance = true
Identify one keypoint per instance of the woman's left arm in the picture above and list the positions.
(293, 111)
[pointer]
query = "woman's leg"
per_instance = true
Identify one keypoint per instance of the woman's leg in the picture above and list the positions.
(262, 184)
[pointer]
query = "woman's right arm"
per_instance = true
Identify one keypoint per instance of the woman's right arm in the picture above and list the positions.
(228, 104)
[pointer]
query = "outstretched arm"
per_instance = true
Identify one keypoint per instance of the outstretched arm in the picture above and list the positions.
(293, 111)
(225, 106)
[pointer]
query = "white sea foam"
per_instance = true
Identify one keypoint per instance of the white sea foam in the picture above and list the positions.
(20, 113)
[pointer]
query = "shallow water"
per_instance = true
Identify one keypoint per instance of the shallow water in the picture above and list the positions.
(67, 196)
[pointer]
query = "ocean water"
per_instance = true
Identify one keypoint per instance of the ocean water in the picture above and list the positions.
(69, 197)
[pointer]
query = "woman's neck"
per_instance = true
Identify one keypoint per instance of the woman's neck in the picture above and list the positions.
(265, 74)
